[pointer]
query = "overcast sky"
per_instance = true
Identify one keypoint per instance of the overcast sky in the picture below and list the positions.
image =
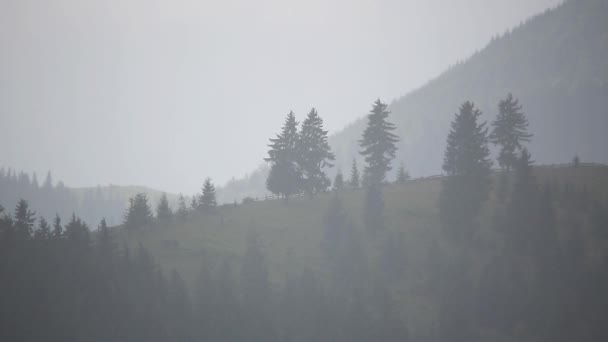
(166, 93)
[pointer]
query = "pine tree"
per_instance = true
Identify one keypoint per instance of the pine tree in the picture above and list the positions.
(467, 167)
(284, 177)
(378, 144)
(509, 131)
(339, 181)
(105, 240)
(24, 219)
(57, 228)
(182, 209)
(44, 230)
(402, 175)
(138, 214)
(77, 233)
(373, 210)
(313, 154)
(207, 202)
(164, 212)
(354, 181)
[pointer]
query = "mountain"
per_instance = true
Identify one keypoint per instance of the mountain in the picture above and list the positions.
(554, 63)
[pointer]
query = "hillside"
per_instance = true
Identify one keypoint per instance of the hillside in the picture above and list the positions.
(292, 234)
(554, 63)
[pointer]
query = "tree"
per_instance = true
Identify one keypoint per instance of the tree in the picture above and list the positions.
(206, 201)
(313, 154)
(339, 181)
(467, 167)
(57, 228)
(164, 212)
(402, 175)
(182, 209)
(284, 177)
(77, 233)
(44, 230)
(138, 214)
(354, 181)
(378, 144)
(373, 216)
(48, 182)
(24, 219)
(509, 131)
(105, 240)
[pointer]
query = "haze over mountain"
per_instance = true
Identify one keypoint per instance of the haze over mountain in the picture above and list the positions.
(146, 92)
(554, 64)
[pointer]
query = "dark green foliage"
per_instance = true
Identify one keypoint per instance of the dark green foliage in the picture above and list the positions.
(509, 131)
(339, 181)
(467, 168)
(207, 202)
(378, 144)
(164, 213)
(24, 220)
(138, 214)
(284, 178)
(313, 154)
(355, 178)
(402, 175)
(373, 209)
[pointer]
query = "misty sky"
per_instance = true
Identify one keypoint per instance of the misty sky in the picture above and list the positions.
(166, 93)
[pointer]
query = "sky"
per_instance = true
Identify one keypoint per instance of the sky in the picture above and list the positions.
(167, 93)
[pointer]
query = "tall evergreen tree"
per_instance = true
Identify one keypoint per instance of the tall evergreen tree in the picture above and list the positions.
(402, 175)
(355, 179)
(378, 144)
(139, 213)
(313, 154)
(57, 228)
(339, 181)
(24, 219)
(182, 209)
(509, 131)
(44, 230)
(207, 202)
(467, 166)
(105, 240)
(164, 212)
(284, 177)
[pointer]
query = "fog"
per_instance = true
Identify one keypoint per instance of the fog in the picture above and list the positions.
(166, 93)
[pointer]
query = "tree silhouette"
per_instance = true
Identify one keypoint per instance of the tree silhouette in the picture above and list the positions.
(313, 154)
(284, 177)
(509, 131)
(139, 213)
(355, 179)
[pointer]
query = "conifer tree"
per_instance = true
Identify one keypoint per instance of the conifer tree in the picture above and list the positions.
(57, 228)
(77, 233)
(182, 209)
(402, 175)
(48, 182)
(313, 154)
(207, 201)
(467, 168)
(138, 214)
(24, 219)
(164, 212)
(339, 181)
(509, 131)
(373, 210)
(284, 177)
(105, 240)
(44, 230)
(354, 181)
(378, 144)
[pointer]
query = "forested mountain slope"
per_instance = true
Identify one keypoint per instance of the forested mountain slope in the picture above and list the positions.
(555, 63)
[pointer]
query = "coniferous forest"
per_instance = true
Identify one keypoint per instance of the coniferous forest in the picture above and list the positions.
(349, 240)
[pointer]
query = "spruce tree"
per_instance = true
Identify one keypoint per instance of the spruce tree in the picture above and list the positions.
(164, 212)
(313, 154)
(57, 228)
(44, 230)
(24, 219)
(284, 177)
(402, 175)
(207, 202)
(378, 144)
(182, 209)
(339, 181)
(139, 213)
(509, 131)
(105, 240)
(467, 167)
(355, 179)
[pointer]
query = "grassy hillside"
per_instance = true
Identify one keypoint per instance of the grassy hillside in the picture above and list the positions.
(291, 234)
